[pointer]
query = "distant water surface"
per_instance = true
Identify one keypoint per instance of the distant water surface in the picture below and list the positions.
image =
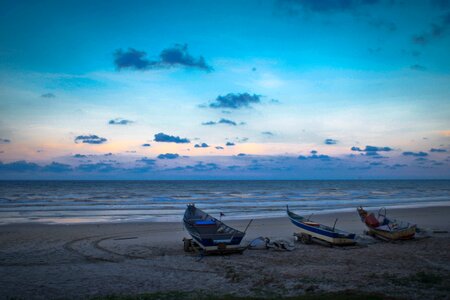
(162, 201)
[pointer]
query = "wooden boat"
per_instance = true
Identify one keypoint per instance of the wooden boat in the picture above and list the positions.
(384, 228)
(312, 230)
(211, 234)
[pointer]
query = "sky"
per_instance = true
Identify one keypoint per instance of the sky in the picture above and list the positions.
(265, 89)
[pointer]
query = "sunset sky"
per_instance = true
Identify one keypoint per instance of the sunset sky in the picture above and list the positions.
(283, 89)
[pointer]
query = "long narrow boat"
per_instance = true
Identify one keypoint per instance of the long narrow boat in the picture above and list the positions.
(386, 229)
(209, 233)
(330, 235)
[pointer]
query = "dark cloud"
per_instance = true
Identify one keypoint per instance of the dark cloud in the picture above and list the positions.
(242, 154)
(177, 56)
(323, 6)
(417, 154)
(19, 166)
(229, 144)
(108, 154)
(219, 147)
(146, 161)
(202, 145)
(418, 67)
(48, 95)
(145, 145)
(437, 30)
(79, 156)
(235, 101)
(90, 139)
(5, 141)
(223, 121)
(438, 150)
(372, 151)
(315, 155)
(330, 142)
(119, 121)
(97, 167)
(55, 167)
(165, 138)
(168, 156)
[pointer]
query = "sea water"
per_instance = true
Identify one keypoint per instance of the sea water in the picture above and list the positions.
(163, 201)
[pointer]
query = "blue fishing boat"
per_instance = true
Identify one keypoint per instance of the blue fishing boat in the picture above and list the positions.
(209, 233)
(311, 230)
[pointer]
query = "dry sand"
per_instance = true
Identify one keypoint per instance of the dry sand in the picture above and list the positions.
(81, 261)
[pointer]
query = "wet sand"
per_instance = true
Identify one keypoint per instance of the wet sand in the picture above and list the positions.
(81, 261)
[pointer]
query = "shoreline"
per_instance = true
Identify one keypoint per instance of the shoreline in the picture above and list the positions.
(333, 212)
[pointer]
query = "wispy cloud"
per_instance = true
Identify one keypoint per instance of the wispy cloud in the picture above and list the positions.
(438, 29)
(48, 95)
(5, 141)
(90, 139)
(438, 150)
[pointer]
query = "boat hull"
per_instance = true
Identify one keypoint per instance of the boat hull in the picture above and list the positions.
(405, 234)
(333, 238)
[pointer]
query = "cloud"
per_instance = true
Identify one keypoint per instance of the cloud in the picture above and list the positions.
(242, 154)
(438, 150)
(268, 133)
(199, 167)
(315, 155)
(146, 145)
(97, 167)
(202, 145)
(5, 141)
(168, 156)
(417, 154)
(222, 121)
(146, 161)
(176, 56)
(48, 95)
(235, 101)
(55, 167)
(119, 121)
(90, 139)
(229, 144)
(372, 150)
(165, 138)
(19, 166)
(219, 147)
(324, 6)
(79, 156)
(438, 29)
(418, 67)
(330, 142)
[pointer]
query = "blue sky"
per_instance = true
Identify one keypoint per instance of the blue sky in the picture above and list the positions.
(156, 90)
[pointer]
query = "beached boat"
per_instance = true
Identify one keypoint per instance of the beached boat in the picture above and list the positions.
(312, 230)
(384, 228)
(209, 233)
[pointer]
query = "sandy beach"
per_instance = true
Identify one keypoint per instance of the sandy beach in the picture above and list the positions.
(82, 261)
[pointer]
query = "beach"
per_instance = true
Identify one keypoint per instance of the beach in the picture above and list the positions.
(74, 261)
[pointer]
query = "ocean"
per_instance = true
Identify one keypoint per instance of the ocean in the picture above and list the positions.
(164, 201)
